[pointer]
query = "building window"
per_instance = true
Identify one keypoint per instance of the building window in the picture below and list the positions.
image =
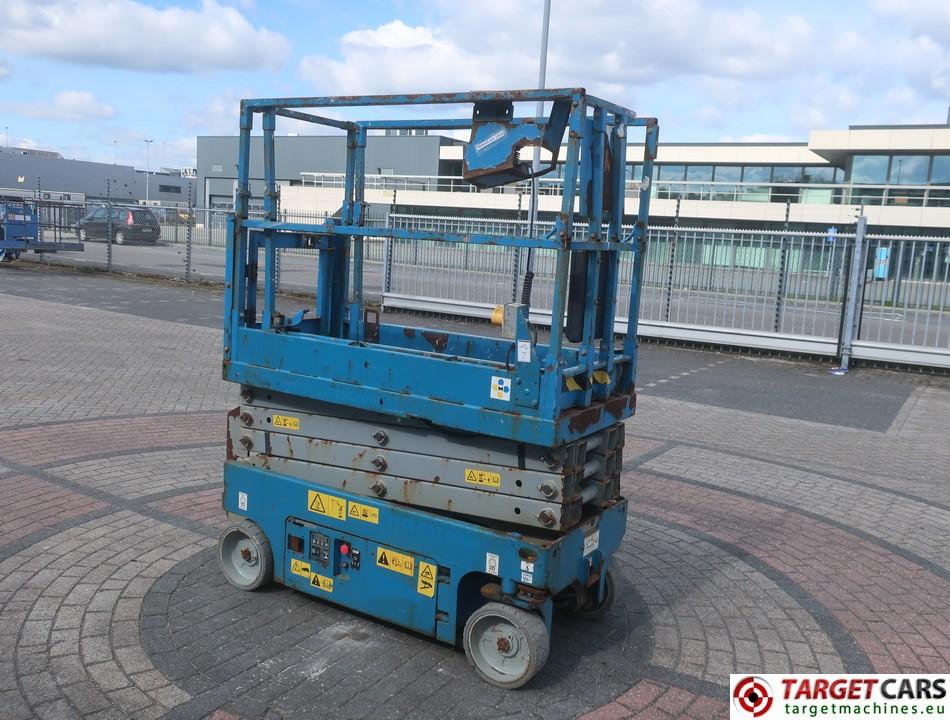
(869, 169)
(635, 172)
(699, 173)
(819, 174)
(173, 189)
(728, 173)
(672, 172)
(909, 169)
(940, 175)
(756, 174)
(787, 174)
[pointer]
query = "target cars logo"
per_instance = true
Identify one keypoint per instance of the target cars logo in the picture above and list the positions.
(818, 696)
(752, 695)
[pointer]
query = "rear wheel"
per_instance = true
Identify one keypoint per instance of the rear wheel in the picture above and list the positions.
(245, 556)
(119, 237)
(82, 235)
(582, 602)
(506, 645)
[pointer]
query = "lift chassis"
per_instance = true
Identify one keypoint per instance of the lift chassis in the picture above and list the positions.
(457, 485)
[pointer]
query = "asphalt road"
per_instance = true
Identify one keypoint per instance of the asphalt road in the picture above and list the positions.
(865, 398)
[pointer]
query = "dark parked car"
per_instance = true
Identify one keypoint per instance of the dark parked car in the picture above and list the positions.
(128, 225)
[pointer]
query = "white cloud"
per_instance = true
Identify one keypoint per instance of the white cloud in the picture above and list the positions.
(131, 35)
(925, 17)
(66, 106)
(4, 71)
(609, 47)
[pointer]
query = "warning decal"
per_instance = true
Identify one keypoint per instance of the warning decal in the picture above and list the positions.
(286, 421)
(321, 582)
(397, 562)
(366, 513)
(426, 584)
(329, 505)
(483, 478)
(299, 567)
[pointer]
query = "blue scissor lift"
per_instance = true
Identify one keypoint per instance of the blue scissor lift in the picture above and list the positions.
(29, 224)
(458, 485)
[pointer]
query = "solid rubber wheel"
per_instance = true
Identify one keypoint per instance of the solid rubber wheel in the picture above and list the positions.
(506, 645)
(120, 238)
(245, 556)
(590, 609)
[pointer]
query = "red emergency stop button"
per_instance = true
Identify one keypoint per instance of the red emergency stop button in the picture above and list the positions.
(345, 548)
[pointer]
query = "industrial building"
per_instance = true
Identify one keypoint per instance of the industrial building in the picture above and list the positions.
(899, 173)
(44, 170)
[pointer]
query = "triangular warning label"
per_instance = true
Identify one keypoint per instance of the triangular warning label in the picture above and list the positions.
(354, 511)
(471, 477)
(317, 504)
(382, 559)
(426, 572)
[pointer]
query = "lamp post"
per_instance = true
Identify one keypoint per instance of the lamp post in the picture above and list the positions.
(536, 160)
(148, 144)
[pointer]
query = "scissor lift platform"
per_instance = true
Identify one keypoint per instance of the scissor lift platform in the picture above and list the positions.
(461, 486)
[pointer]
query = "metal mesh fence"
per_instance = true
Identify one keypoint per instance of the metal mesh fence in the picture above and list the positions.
(788, 284)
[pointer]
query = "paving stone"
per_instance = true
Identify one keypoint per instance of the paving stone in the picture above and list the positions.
(111, 604)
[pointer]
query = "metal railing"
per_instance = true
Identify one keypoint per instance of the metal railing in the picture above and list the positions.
(781, 290)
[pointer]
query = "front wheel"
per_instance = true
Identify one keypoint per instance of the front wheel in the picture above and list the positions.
(120, 238)
(245, 556)
(506, 645)
(83, 236)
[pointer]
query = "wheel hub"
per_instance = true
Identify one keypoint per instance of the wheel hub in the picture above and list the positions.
(507, 644)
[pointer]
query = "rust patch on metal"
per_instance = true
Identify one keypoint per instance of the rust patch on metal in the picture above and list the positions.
(579, 419)
(409, 332)
(230, 450)
(437, 340)
(616, 404)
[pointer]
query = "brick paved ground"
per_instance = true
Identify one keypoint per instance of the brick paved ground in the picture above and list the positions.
(757, 542)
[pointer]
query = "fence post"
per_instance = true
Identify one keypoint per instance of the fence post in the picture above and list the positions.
(189, 236)
(854, 292)
(109, 238)
(669, 274)
(782, 273)
(388, 257)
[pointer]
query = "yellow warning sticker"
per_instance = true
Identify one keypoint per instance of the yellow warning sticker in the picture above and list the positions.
(299, 567)
(397, 562)
(366, 513)
(287, 422)
(482, 477)
(426, 584)
(329, 505)
(322, 582)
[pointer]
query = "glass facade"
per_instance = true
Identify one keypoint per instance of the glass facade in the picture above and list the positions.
(900, 178)
(757, 173)
(909, 169)
(728, 173)
(869, 169)
(940, 174)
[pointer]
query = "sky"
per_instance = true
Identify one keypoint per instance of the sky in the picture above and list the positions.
(94, 79)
